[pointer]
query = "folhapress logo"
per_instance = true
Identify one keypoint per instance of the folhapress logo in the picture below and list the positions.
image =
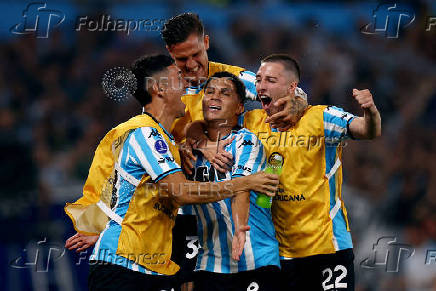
(38, 20)
(388, 253)
(388, 20)
(38, 256)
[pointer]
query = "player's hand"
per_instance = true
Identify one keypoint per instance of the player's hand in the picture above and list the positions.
(81, 242)
(265, 183)
(186, 155)
(293, 109)
(220, 159)
(238, 241)
(365, 100)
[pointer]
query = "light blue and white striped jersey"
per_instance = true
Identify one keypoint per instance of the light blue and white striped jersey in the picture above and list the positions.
(144, 152)
(251, 103)
(336, 123)
(214, 220)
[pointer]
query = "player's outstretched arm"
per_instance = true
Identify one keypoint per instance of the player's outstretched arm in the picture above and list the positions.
(368, 126)
(240, 212)
(189, 192)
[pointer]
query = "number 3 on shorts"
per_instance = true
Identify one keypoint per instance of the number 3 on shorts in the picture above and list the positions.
(327, 275)
(193, 246)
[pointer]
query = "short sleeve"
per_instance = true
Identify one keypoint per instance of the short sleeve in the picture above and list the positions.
(249, 80)
(149, 149)
(336, 122)
(249, 155)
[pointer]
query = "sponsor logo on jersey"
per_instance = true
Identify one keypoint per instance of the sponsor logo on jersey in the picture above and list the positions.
(244, 168)
(285, 197)
(246, 142)
(163, 159)
(154, 132)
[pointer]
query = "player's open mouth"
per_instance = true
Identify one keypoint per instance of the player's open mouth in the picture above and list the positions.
(194, 70)
(214, 108)
(266, 100)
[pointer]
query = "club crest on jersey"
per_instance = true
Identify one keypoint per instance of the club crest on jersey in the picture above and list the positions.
(161, 146)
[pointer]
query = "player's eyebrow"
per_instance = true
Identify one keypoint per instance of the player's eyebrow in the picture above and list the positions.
(185, 56)
(225, 89)
(258, 76)
(271, 77)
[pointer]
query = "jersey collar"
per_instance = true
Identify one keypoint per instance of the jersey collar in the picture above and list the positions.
(163, 128)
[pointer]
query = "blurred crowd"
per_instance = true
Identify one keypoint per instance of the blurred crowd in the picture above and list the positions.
(53, 113)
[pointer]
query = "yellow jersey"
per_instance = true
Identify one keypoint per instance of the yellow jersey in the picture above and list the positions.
(120, 197)
(308, 212)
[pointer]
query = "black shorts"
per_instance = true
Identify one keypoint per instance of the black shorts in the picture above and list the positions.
(185, 247)
(333, 272)
(106, 276)
(261, 279)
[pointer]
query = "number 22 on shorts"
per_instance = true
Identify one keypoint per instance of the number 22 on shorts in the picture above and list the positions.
(327, 285)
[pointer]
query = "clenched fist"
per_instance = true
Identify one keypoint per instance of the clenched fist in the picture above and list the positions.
(364, 97)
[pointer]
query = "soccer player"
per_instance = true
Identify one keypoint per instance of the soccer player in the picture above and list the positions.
(187, 43)
(259, 261)
(308, 213)
(135, 187)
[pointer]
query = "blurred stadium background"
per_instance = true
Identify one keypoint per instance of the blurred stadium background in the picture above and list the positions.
(53, 114)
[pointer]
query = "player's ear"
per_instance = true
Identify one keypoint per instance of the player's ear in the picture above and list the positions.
(292, 87)
(157, 89)
(240, 109)
(206, 42)
(169, 49)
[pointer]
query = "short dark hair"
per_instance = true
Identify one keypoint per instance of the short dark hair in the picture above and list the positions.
(287, 61)
(239, 85)
(180, 27)
(146, 67)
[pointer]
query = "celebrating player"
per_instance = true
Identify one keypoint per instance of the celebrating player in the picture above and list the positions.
(187, 43)
(135, 186)
(308, 213)
(223, 101)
